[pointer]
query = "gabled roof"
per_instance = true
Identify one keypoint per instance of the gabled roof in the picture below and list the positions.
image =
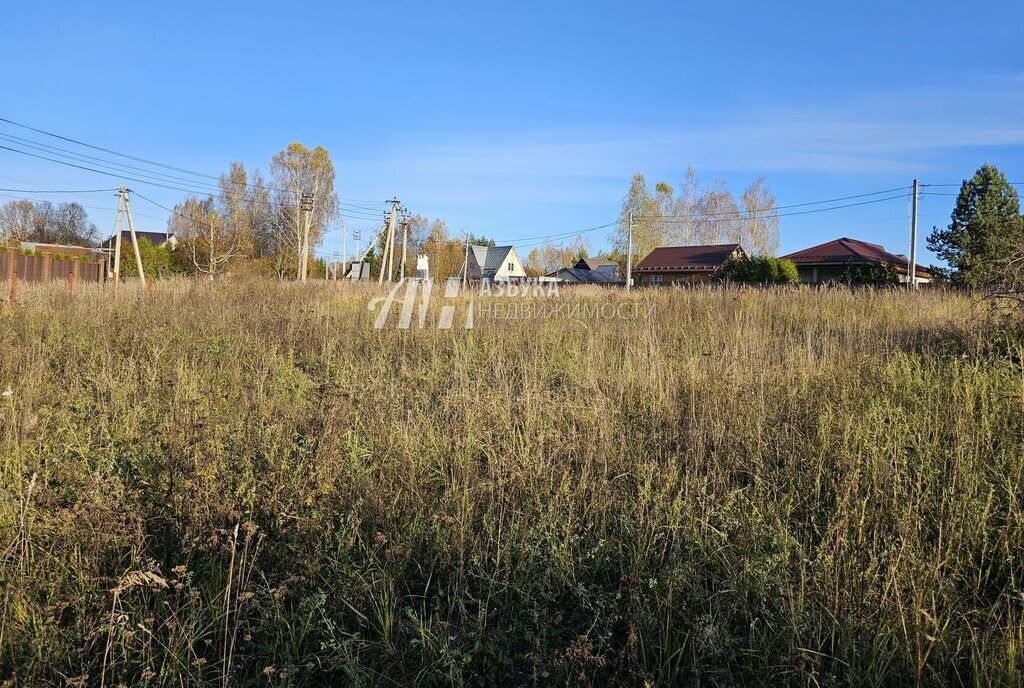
(486, 261)
(155, 238)
(846, 250)
(687, 258)
(589, 276)
(596, 264)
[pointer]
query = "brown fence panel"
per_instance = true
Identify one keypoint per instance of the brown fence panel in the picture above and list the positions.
(42, 268)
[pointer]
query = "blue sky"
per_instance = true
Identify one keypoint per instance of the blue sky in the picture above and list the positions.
(523, 119)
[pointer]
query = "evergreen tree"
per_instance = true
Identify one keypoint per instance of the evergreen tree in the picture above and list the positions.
(984, 229)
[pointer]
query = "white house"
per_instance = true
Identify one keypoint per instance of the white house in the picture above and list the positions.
(494, 264)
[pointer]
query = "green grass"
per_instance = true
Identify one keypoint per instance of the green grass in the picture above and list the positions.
(248, 485)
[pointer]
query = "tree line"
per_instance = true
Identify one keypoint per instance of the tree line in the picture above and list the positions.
(47, 223)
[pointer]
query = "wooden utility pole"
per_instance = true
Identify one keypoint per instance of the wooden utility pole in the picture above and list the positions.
(629, 255)
(912, 268)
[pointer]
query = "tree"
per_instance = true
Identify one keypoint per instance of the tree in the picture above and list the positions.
(209, 241)
(159, 261)
(760, 270)
(446, 255)
(474, 240)
(648, 229)
(17, 220)
(299, 171)
(544, 259)
(759, 227)
(245, 209)
(984, 229)
(698, 214)
(45, 222)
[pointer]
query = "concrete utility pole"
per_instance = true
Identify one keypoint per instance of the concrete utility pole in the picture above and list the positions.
(306, 208)
(388, 254)
(912, 268)
(135, 241)
(405, 244)
(124, 209)
(465, 263)
(344, 248)
(117, 237)
(356, 236)
(629, 255)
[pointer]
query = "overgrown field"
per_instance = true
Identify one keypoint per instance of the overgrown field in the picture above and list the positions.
(248, 485)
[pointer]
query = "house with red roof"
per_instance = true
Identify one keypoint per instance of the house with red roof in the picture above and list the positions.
(684, 264)
(833, 261)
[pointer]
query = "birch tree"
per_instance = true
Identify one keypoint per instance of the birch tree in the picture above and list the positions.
(759, 232)
(209, 240)
(298, 172)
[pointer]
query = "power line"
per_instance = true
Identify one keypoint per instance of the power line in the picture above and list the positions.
(962, 183)
(170, 210)
(81, 157)
(91, 169)
(58, 191)
(142, 160)
(106, 150)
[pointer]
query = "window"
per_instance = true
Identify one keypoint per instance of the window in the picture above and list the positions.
(656, 279)
(511, 267)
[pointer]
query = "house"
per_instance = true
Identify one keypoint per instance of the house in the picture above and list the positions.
(590, 271)
(576, 275)
(158, 239)
(684, 264)
(493, 264)
(597, 265)
(831, 261)
(59, 249)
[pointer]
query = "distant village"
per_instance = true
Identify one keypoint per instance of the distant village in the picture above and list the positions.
(840, 261)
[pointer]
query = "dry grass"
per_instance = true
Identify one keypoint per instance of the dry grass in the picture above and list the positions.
(248, 485)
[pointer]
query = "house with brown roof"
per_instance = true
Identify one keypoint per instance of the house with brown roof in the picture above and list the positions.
(833, 261)
(685, 264)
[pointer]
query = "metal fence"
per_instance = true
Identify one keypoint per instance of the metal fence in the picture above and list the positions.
(45, 267)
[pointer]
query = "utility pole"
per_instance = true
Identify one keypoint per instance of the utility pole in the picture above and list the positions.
(306, 207)
(357, 235)
(117, 237)
(388, 254)
(124, 209)
(465, 262)
(391, 241)
(629, 255)
(405, 243)
(344, 249)
(135, 241)
(912, 268)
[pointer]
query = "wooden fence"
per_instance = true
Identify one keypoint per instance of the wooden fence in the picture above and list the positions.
(45, 267)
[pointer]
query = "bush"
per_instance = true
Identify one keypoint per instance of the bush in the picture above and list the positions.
(874, 275)
(760, 270)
